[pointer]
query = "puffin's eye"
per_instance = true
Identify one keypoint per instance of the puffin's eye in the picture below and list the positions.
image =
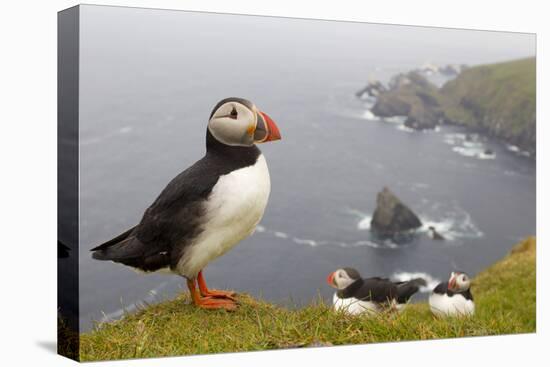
(233, 113)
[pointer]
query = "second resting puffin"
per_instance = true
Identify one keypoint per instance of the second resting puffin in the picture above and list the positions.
(356, 295)
(453, 298)
(208, 208)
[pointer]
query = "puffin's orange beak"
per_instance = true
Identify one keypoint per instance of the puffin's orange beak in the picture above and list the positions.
(272, 129)
(330, 279)
(452, 284)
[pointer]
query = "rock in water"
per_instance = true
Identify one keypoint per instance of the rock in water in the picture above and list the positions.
(435, 234)
(391, 216)
(372, 89)
(411, 95)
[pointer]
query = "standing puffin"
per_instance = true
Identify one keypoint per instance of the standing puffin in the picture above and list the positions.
(371, 295)
(206, 209)
(453, 298)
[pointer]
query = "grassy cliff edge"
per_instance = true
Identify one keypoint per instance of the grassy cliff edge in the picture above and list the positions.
(505, 296)
(497, 98)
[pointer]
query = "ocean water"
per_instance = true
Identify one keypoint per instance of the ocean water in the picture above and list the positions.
(149, 79)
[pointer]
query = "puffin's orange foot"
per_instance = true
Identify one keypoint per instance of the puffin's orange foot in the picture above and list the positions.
(220, 294)
(216, 304)
(205, 292)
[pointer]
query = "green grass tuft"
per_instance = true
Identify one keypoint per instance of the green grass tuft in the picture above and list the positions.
(505, 298)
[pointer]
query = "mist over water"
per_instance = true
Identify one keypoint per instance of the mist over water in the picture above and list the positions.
(149, 80)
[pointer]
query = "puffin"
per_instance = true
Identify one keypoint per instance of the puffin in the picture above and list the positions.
(356, 295)
(453, 298)
(208, 208)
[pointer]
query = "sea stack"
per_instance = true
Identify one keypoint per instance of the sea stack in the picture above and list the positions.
(435, 234)
(391, 216)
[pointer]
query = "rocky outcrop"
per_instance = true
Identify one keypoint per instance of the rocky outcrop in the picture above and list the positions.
(498, 99)
(452, 69)
(389, 105)
(411, 95)
(391, 216)
(373, 89)
(435, 235)
(424, 118)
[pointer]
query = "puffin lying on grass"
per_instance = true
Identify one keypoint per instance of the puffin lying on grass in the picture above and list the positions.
(208, 208)
(453, 298)
(371, 295)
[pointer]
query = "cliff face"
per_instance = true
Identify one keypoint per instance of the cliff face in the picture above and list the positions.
(499, 99)
(411, 95)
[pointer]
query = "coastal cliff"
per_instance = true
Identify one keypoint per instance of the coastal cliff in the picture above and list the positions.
(497, 99)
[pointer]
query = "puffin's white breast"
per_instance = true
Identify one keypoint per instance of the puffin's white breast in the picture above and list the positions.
(457, 305)
(233, 209)
(354, 306)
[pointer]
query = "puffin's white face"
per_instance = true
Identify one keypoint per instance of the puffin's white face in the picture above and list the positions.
(459, 282)
(342, 278)
(237, 122)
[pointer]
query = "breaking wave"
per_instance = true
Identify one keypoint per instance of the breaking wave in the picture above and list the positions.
(469, 145)
(368, 115)
(453, 222)
(152, 296)
(515, 149)
(96, 139)
(364, 223)
(403, 276)
(405, 128)
(474, 152)
(387, 244)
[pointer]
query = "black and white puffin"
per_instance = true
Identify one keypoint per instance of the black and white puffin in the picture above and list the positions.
(206, 209)
(453, 298)
(356, 295)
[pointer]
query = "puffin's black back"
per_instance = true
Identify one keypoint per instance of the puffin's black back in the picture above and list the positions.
(405, 290)
(376, 289)
(176, 217)
(382, 290)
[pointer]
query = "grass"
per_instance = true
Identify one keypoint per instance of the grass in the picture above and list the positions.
(499, 98)
(505, 298)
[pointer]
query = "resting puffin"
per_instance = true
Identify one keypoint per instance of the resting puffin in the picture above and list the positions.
(371, 295)
(206, 209)
(453, 298)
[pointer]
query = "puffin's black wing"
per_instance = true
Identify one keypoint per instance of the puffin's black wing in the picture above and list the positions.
(468, 295)
(405, 290)
(378, 290)
(167, 225)
(113, 241)
(133, 252)
(441, 288)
